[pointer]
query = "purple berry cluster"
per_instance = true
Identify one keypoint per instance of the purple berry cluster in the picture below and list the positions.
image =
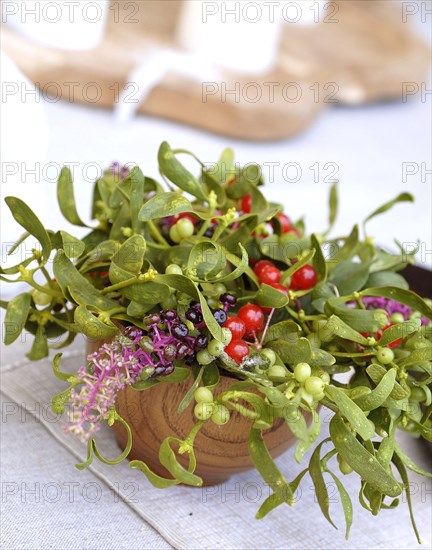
(167, 339)
(110, 369)
(133, 356)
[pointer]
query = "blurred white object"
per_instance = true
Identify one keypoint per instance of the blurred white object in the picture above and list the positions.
(242, 36)
(66, 25)
(23, 150)
(152, 70)
(239, 36)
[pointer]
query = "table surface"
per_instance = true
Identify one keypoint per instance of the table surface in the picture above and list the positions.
(48, 503)
(365, 148)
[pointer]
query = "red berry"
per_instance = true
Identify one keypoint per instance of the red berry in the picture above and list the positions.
(395, 344)
(261, 265)
(237, 350)
(279, 287)
(304, 278)
(284, 221)
(253, 317)
(269, 274)
(246, 204)
(236, 326)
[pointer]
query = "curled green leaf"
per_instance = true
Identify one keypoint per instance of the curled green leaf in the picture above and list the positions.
(377, 396)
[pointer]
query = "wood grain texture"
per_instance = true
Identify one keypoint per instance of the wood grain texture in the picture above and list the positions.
(362, 52)
(220, 451)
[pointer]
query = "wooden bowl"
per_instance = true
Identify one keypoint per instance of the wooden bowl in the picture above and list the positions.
(220, 451)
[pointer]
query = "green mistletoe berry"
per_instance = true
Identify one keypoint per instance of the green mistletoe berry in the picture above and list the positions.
(203, 395)
(385, 355)
(203, 411)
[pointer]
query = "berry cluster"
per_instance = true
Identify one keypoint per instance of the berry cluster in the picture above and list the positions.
(209, 350)
(248, 323)
(311, 382)
(182, 226)
(167, 339)
(206, 407)
(304, 278)
(282, 219)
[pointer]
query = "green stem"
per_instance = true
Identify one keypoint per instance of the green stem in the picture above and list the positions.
(220, 229)
(45, 290)
(47, 276)
(156, 245)
(157, 234)
(342, 354)
(204, 228)
(296, 316)
(293, 313)
(327, 457)
(62, 324)
(191, 437)
(153, 229)
(121, 284)
(359, 301)
(206, 224)
(311, 317)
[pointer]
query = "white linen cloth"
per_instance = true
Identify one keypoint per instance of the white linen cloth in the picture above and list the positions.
(47, 503)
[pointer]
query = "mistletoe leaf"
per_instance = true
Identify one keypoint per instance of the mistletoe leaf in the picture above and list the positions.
(360, 459)
(16, 316)
(66, 198)
(25, 216)
(403, 197)
(163, 205)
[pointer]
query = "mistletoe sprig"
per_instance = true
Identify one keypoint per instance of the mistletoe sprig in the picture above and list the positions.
(207, 279)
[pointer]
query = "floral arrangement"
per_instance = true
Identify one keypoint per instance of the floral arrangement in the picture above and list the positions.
(209, 279)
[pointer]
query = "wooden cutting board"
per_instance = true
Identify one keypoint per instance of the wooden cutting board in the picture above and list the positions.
(366, 54)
